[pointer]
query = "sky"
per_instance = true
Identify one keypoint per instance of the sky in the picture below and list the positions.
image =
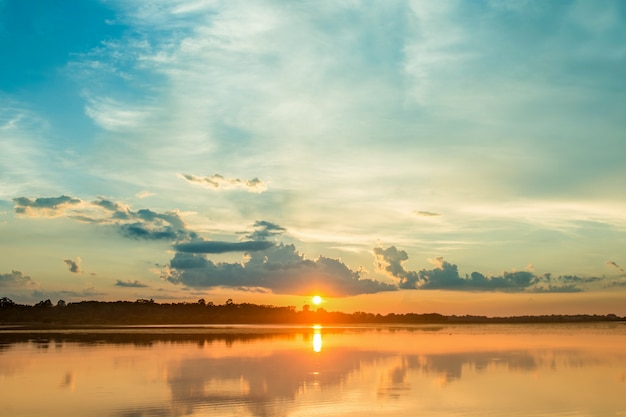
(459, 157)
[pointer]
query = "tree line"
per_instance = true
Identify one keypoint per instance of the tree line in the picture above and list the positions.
(144, 311)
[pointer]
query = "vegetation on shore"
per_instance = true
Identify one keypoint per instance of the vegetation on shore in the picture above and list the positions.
(149, 312)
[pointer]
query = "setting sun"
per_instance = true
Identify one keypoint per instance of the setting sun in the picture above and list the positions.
(317, 300)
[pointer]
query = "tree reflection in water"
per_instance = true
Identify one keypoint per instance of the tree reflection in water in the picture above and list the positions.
(285, 372)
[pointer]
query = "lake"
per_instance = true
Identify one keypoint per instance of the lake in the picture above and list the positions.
(456, 370)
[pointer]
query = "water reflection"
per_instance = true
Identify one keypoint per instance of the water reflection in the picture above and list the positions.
(260, 383)
(400, 372)
(317, 338)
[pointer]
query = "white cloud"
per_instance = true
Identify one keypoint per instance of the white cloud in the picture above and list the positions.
(218, 182)
(24, 154)
(435, 48)
(114, 116)
(553, 215)
(144, 194)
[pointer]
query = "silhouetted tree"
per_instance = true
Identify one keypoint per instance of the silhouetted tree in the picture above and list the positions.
(149, 312)
(6, 302)
(202, 302)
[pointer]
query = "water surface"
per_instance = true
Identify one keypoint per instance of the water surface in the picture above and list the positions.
(461, 370)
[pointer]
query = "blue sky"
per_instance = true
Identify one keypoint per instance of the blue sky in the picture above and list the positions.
(391, 154)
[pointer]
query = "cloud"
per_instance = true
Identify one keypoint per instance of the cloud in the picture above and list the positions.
(265, 230)
(280, 268)
(78, 295)
(141, 231)
(390, 260)
(141, 224)
(445, 276)
(426, 213)
(208, 246)
(15, 279)
(144, 194)
(615, 265)
(25, 146)
(557, 288)
(44, 206)
(114, 116)
(130, 284)
(146, 224)
(570, 279)
(74, 266)
(218, 182)
(109, 205)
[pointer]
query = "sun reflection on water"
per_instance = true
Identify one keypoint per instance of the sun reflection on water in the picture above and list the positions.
(260, 371)
(317, 338)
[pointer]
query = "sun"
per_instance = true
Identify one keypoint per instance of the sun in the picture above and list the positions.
(317, 300)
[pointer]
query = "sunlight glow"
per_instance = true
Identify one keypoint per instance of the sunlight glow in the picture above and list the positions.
(317, 300)
(317, 338)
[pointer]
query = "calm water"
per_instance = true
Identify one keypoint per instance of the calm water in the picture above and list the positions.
(475, 370)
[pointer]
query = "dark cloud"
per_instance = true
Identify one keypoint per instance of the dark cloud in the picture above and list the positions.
(445, 276)
(426, 214)
(130, 284)
(74, 266)
(144, 223)
(556, 288)
(108, 205)
(141, 224)
(80, 295)
(219, 182)
(280, 269)
(15, 279)
(265, 230)
(148, 232)
(571, 279)
(88, 219)
(563, 283)
(147, 215)
(45, 202)
(153, 226)
(390, 260)
(147, 224)
(208, 246)
(615, 265)
(43, 205)
(255, 290)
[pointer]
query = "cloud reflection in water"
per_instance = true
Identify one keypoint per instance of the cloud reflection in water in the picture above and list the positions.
(317, 371)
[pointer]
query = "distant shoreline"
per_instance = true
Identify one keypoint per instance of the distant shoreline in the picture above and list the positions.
(252, 328)
(45, 315)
